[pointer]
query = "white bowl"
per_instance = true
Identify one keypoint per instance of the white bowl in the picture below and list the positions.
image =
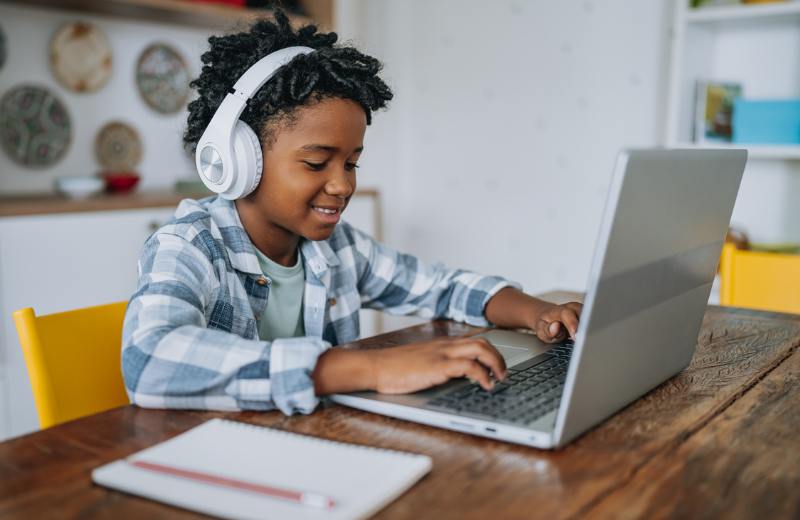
(79, 186)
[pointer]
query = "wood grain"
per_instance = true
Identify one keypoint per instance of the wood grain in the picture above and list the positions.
(46, 474)
(744, 464)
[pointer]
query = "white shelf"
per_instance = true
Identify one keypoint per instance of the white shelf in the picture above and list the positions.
(756, 45)
(207, 15)
(754, 151)
(778, 10)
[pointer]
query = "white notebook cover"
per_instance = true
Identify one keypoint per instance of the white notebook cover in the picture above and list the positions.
(360, 479)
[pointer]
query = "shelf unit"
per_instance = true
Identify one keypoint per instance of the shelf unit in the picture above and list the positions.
(732, 13)
(195, 14)
(756, 45)
(787, 152)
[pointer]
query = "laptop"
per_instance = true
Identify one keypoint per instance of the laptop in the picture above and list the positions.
(660, 241)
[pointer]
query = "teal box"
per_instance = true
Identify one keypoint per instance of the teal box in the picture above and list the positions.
(766, 122)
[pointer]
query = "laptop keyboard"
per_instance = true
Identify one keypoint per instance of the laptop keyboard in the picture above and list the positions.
(532, 389)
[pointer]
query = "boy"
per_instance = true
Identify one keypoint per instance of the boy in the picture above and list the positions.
(239, 302)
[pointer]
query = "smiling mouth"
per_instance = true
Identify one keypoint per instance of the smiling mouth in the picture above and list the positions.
(326, 211)
(328, 216)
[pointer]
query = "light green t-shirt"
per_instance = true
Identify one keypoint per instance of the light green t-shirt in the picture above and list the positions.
(283, 317)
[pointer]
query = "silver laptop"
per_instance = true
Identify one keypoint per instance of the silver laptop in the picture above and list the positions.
(660, 242)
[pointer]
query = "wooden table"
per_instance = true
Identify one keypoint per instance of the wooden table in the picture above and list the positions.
(719, 440)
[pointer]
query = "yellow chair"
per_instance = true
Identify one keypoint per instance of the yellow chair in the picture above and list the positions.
(73, 361)
(756, 280)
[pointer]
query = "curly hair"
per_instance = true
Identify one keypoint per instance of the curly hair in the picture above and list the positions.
(330, 72)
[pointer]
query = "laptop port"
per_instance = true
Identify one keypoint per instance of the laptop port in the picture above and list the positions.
(493, 430)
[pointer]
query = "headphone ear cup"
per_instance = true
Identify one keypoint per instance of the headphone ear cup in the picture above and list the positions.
(249, 159)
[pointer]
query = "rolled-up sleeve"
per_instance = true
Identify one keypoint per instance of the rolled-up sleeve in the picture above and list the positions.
(402, 284)
(172, 359)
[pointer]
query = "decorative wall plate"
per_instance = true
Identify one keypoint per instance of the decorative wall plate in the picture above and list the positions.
(3, 48)
(162, 78)
(117, 147)
(80, 57)
(35, 127)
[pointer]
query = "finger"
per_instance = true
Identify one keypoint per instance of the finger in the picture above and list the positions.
(577, 307)
(551, 329)
(481, 350)
(570, 320)
(552, 332)
(463, 367)
(554, 328)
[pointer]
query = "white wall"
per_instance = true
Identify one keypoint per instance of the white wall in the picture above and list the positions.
(498, 149)
(28, 32)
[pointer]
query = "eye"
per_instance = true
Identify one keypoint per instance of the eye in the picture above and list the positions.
(316, 166)
(350, 166)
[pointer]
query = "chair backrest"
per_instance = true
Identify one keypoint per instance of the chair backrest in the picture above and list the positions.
(73, 360)
(756, 280)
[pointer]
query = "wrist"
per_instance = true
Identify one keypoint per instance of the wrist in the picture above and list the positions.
(343, 370)
(538, 312)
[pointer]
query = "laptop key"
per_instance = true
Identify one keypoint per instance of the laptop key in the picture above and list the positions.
(541, 358)
(498, 387)
(462, 392)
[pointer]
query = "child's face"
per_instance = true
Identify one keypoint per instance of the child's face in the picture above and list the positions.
(309, 172)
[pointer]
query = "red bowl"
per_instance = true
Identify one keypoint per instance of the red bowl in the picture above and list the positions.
(120, 181)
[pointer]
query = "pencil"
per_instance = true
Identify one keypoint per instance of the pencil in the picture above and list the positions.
(305, 498)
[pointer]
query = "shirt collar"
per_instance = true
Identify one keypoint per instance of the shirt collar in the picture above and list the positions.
(318, 255)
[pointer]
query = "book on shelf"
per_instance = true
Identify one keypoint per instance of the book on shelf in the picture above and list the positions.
(714, 111)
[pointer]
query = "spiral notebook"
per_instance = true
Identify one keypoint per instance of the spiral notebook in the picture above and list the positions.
(359, 480)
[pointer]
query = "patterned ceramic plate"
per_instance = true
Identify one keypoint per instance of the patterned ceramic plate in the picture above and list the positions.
(163, 79)
(35, 127)
(118, 147)
(80, 57)
(3, 47)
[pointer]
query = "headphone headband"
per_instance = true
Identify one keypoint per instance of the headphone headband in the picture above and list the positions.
(263, 70)
(215, 158)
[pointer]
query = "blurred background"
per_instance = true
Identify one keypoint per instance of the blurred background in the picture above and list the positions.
(495, 155)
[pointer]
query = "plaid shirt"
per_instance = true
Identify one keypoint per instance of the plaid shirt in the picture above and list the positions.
(190, 338)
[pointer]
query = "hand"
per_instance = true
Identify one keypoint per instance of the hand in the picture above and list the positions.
(401, 370)
(555, 322)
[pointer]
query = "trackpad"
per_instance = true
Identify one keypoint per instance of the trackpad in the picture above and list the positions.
(512, 344)
(510, 352)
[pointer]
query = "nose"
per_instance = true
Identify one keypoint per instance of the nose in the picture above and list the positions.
(339, 185)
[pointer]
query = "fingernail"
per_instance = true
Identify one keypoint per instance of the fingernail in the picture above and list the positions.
(552, 328)
(491, 384)
(505, 373)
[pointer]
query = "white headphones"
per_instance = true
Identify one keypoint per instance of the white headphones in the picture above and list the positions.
(228, 156)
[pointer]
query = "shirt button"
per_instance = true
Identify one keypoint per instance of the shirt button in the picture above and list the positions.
(261, 281)
(333, 302)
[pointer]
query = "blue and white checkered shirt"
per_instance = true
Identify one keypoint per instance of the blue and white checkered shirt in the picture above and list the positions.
(190, 338)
